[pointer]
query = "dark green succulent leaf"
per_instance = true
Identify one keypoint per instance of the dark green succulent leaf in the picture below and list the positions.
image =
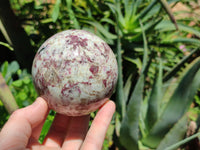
(129, 133)
(119, 90)
(177, 105)
(155, 98)
(175, 134)
(182, 142)
(127, 88)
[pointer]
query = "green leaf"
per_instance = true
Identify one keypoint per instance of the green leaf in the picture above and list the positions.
(127, 88)
(4, 68)
(146, 10)
(120, 102)
(180, 65)
(152, 12)
(46, 127)
(176, 145)
(13, 67)
(145, 55)
(177, 105)
(135, 61)
(7, 45)
(72, 15)
(186, 40)
(169, 12)
(17, 83)
(22, 95)
(56, 10)
(26, 80)
(131, 7)
(166, 25)
(175, 134)
(129, 133)
(101, 29)
(154, 99)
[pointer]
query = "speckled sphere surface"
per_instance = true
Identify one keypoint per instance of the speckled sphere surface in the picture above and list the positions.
(75, 72)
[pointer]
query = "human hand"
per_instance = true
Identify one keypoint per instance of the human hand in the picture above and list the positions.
(24, 126)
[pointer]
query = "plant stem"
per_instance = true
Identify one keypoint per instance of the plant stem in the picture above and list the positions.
(6, 96)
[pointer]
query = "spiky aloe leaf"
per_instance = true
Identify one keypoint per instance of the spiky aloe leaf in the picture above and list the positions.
(127, 88)
(119, 91)
(176, 145)
(175, 134)
(177, 105)
(129, 133)
(180, 65)
(154, 99)
(147, 9)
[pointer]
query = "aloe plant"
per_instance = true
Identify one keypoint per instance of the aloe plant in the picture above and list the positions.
(162, 126)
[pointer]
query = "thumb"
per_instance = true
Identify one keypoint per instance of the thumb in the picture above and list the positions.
(18, 129)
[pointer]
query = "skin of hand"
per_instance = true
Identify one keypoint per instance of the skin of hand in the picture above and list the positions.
(22, 130)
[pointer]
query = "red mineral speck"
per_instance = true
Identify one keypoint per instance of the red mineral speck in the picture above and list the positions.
(94, 69)
(76, 41)
(104, 82)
